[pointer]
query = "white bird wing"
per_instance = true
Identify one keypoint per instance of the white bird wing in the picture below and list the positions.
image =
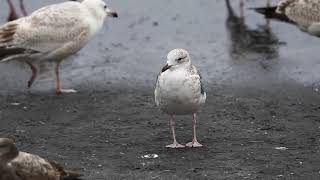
(197, 79)
(47, 29)
(156, 90)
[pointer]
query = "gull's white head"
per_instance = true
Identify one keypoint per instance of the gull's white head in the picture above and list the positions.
(8, 150)
(177, 58)
(99, 8)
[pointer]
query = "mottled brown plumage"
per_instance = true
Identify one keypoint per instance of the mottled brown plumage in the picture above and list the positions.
(16, 165)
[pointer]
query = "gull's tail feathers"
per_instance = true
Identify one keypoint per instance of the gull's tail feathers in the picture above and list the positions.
(65, 174)
(7, 32)
(14, 53)
(271, 13)
(8, 51)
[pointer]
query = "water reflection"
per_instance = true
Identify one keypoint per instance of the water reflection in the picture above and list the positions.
(13, 15)
(253, 44)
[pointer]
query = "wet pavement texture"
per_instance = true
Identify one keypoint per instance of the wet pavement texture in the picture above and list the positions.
(261, 119)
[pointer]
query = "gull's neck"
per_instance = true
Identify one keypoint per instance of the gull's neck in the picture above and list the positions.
(95, 11)
(187, 65)
(97, 16)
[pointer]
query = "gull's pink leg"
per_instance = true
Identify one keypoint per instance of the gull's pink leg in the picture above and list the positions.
(175, 144)
(23, 9)
(59, 90)
(267, 19)
(241, 9)
(268, 3)
(13, 15)
(194, 142)
(34, 74)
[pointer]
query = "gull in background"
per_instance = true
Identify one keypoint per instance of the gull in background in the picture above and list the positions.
(302, 13)
(179, 91)
(15, 165)
(52, 33)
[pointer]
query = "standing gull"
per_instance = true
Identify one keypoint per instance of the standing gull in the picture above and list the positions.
(52, 33)
(179, 91)
(303, 13)
(15, 165)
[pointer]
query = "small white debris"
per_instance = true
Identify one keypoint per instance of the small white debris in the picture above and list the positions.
(100, 165)
(300, 163)
(316, 89)
(20, 131)
(281, 148)
(150, 156)
(280, 175)
(15, 104)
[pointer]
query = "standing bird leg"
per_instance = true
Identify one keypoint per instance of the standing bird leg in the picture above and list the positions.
(34, 74)
(267, 19)
(241, 5)
(58, 87)
(194, 142)
(23, 9)
(12, 14)
(175, 144)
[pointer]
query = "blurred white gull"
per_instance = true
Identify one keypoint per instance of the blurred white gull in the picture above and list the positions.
(179, 91)
(15, 165)
(52, 33)
(303, 13)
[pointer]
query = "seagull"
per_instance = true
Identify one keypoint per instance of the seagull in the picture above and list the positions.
(15, 165)
(52, 33)
(179, 91)
(302, 13)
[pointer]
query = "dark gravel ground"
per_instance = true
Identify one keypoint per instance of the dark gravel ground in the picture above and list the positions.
(262, 86)
(104, 134)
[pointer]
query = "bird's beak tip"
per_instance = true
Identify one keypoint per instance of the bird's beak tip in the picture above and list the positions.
(166, 67)
(112, 13)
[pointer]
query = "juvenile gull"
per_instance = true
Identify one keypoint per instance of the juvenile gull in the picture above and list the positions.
(15, 165)
(303, 13)
(52, 33)
(179, 91)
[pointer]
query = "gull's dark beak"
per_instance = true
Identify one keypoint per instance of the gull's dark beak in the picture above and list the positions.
(166, 67)
(111, 13)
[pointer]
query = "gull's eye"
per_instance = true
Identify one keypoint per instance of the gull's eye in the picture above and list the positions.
(105, 6)
(179, 59)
